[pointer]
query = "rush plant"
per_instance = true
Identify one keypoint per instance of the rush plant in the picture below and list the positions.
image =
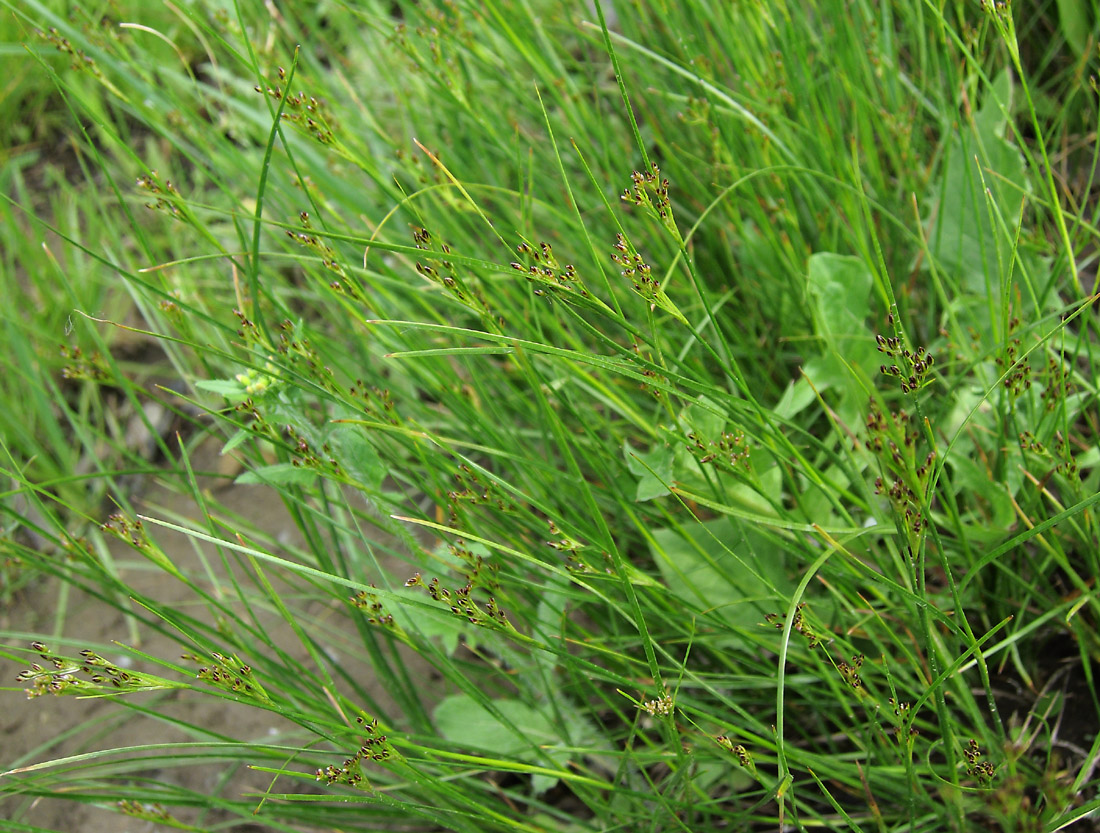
(685, 415)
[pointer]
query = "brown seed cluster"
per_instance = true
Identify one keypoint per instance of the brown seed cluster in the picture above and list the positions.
(296, 354)
(1016, 368)
(376, 611)
(909, 366)
(576, 552)
(895, 439)
(1067, 464)
(636, 270)
(850, 671)
(230, 674)
(80, 59)
(89, 367)
(306, 457)
(305, 237)
(463, 287)
(798, 625)
(462, 604)
(375, 747)
(1058, 384)
(305, 454)
(309, 113)
(905, 731)
(377, 403)
(476, 489)
(655, 382)
(729, 451)
(542, 269)
(650, 191)
(293, 357)
(166, 197)
(127, 530)
(90, 675)
(982, 771)
(738, 751)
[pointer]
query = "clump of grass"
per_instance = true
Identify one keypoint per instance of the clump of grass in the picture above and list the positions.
(722, 377)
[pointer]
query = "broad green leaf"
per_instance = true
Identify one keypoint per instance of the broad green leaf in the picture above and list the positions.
(1075, 21)
(653, 470)
(462, 720)
(278, 474)
(229, 388)
(724, 566)
(234, 441)
(551, 610)
(983, 170)
(840, 291)
(706, 418)
(796, 398)
(429, 622)
(357, 456)
(970, 478)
